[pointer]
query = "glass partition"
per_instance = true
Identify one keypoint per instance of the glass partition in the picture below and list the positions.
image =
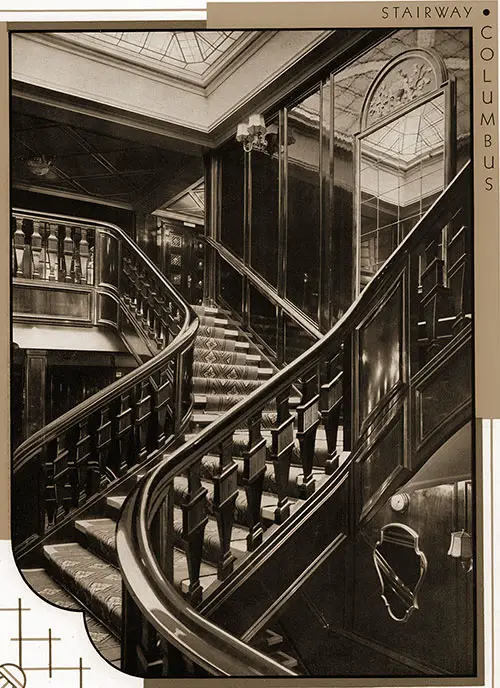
(232, 190)
(303, 246)
(263, 318)
(265, 212)
(230, 285)
(402, 170)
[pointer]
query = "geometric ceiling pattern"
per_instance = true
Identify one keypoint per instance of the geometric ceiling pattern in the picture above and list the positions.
(191, 52)
(88, 163)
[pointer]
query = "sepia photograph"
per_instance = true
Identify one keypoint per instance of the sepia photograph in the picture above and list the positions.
(242, 400)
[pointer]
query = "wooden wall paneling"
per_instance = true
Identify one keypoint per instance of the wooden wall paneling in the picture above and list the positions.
(434, 634)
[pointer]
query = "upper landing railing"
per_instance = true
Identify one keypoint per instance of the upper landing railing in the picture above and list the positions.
(76, 271)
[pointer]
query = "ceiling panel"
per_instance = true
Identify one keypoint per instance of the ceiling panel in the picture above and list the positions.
(89, 163)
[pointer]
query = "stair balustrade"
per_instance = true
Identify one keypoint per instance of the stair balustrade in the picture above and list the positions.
(399, 386)
(69, 464)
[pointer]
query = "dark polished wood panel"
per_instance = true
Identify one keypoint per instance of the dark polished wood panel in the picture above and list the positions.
(31, 303)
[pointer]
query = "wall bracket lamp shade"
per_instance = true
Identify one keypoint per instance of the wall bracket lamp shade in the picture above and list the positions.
(255, 136)
(461, 548)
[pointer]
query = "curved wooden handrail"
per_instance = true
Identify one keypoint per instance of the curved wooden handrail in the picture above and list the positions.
(186, 325)
(141, 570)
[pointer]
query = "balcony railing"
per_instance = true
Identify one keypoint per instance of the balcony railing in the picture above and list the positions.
(95, 270)
(395, 370)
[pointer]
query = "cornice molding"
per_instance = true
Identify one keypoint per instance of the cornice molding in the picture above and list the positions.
(109, 113)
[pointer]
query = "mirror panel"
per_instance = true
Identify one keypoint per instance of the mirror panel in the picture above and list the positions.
(401, 568)
(401, 173)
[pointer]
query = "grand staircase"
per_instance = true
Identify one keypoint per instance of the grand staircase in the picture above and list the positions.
(83, 571)
(185, 505)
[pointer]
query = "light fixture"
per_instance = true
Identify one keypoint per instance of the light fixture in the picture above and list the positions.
(255, 136)
(461, 548)
(39, 164)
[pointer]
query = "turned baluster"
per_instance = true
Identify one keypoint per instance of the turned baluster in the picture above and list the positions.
(194, 520)
(36, 249)
(254, 468)
(307, 427)
(281, 454)
(225, 493)
(19, 247)
(84, 256)
(142, 409)
(68, 252)
(330, 409)
(123, 434)
(53, 253)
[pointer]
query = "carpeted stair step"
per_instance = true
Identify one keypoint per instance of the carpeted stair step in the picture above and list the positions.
(96, 583)
(230, 372)
(221, 344)
(107, 643)
(224, 386)
(100, 537)
(211, 356)
(217, 332)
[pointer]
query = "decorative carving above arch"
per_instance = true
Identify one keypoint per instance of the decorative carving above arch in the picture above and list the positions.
(406, 78)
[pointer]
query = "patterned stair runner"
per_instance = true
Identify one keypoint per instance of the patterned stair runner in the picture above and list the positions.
(84, 573)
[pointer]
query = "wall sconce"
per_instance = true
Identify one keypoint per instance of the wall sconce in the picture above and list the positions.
(255, 136)
(461, 548)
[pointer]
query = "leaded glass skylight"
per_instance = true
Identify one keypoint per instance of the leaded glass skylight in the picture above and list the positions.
(194, 52)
